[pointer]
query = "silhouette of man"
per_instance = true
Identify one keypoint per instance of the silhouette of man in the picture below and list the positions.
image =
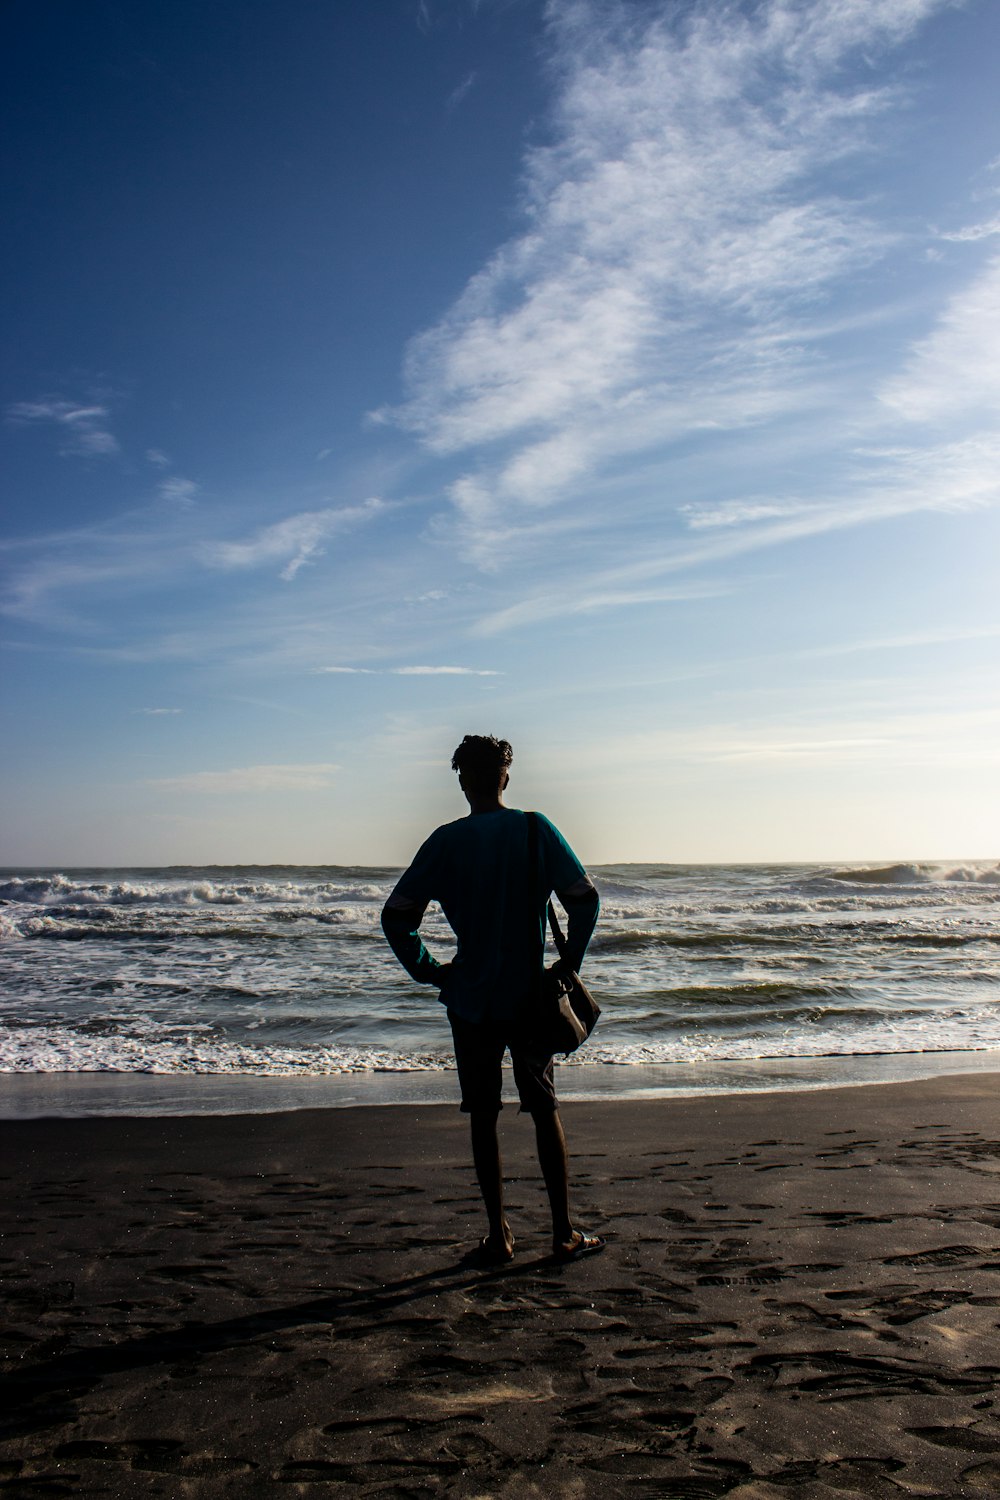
(477, 869)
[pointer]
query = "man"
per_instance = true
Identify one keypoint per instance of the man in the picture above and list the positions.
(477, 869)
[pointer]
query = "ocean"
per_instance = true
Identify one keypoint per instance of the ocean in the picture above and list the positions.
(710, 976)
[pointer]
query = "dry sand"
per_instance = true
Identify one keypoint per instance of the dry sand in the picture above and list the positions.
(800, 1298)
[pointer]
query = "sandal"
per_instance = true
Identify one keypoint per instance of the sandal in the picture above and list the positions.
(583, 1244)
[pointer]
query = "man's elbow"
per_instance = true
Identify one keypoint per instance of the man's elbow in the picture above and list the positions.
(582, 894)
(399, 912)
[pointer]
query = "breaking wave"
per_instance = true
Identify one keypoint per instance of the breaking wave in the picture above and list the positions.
(52, 890)
(928, 874)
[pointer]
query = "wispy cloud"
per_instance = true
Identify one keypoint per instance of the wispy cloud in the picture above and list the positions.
(972, 232)
(676, 228)
(295, 541)
(113, 586)
(461, 92)
(83, 429)
(738, 513)
(68, 579)
(415, 671)
(958, 476)
(441, 672)
(938, 635)
(45, 591)
(180, 491)
(157, 711)
(584, 598)
(956, 370)
(280, 778)
(939, 735)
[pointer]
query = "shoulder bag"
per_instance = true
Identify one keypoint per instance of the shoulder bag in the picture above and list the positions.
(565, 1012)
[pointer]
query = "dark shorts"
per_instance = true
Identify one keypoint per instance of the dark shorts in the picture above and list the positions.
(479, 1050)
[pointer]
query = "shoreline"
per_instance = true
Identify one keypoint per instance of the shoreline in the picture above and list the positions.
(26, 1096)
(798, 1297)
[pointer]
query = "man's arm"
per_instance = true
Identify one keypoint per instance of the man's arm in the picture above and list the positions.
(401, 919)
(582, 905)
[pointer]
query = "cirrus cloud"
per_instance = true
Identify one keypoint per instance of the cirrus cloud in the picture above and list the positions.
(271, 778)
(83, 429)
(296, 540)
(414, 671)
(676, 228)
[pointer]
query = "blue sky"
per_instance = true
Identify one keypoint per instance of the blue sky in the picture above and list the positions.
(619, 377)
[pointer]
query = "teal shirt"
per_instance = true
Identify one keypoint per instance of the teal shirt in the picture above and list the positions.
(477, 870)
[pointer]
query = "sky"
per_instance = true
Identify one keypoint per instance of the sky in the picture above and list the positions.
(619, 377)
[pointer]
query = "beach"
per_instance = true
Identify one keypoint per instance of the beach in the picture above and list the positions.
(800, 1297)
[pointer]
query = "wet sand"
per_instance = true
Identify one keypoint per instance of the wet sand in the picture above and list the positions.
(800, 1298)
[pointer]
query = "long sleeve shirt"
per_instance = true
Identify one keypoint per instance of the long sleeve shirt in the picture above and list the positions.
(477, 869)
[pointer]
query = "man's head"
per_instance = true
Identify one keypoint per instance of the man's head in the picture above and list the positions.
(482, 762)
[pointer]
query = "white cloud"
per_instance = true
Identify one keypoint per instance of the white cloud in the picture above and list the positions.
(959, 476)
(295, 540)
(83, 429)
(156, 711)
(158, 457)
(675, 229)
(955, 371)
(586, 597)
(459, 93)
(738, 513)
(282, 778)
(441, 672)
(417, 671)
(180, 491)
(973, 232)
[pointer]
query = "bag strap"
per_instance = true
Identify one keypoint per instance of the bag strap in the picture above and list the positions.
(557, 935)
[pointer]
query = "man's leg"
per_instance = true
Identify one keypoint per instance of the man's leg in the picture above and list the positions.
(536, 1086)
(489, 1174)
(554, 1162)
(478, 1057)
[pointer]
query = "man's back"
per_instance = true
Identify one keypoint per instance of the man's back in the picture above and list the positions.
(478, 869)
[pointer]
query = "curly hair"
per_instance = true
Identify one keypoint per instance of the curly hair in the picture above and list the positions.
(481, 760)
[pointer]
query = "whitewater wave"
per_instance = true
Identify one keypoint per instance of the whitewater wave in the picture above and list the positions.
(56, 907)
(794, 937)
(60, 890)
(29, 1050)
(66, 928)
(922, 874)
(10, 927)
(24, 1050)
